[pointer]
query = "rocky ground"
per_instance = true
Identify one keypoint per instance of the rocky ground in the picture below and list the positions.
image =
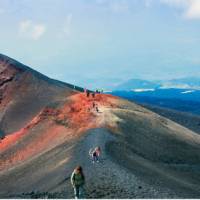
(105, 179)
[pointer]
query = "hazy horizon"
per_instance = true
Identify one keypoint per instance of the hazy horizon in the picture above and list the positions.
(103, 41)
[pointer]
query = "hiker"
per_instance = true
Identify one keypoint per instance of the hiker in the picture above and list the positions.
(93, 104)
(95, 154)
(97, 109)
(98, 151)
(88, 93)
(95, 157)
(78, 181)
(93, 94)
(97, 91)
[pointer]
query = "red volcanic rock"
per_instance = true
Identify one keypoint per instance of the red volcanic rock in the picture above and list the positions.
(24, 93)
(73, 118)
(47, 112)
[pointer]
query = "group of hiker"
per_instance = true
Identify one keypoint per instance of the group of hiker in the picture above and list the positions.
(88, 92)
(95, 106)
(78, 178)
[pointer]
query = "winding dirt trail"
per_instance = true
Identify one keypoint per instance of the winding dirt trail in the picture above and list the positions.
(108, 179)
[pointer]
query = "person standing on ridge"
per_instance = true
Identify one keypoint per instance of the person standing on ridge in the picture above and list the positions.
(94, 157)
(88, 93)
(78, 181)
(95, 153)
(98, 152)
(97, 109)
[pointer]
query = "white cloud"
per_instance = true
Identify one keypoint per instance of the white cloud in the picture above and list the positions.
(193, 11)
(31, 30)
(191, 8)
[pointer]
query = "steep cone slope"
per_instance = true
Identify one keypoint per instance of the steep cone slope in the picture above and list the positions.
(144, 155)
(23, 92)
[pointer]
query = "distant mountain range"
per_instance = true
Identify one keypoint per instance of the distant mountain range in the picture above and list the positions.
(182, 83)
(178, 99)
(139, 85)
(179, 94)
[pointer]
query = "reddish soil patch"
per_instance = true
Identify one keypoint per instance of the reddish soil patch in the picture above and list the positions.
(52, 127)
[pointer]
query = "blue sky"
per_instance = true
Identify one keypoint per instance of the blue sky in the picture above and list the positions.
(99, 42)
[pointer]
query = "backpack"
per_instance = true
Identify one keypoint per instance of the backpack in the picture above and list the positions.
(94, 154)
(78, 179)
